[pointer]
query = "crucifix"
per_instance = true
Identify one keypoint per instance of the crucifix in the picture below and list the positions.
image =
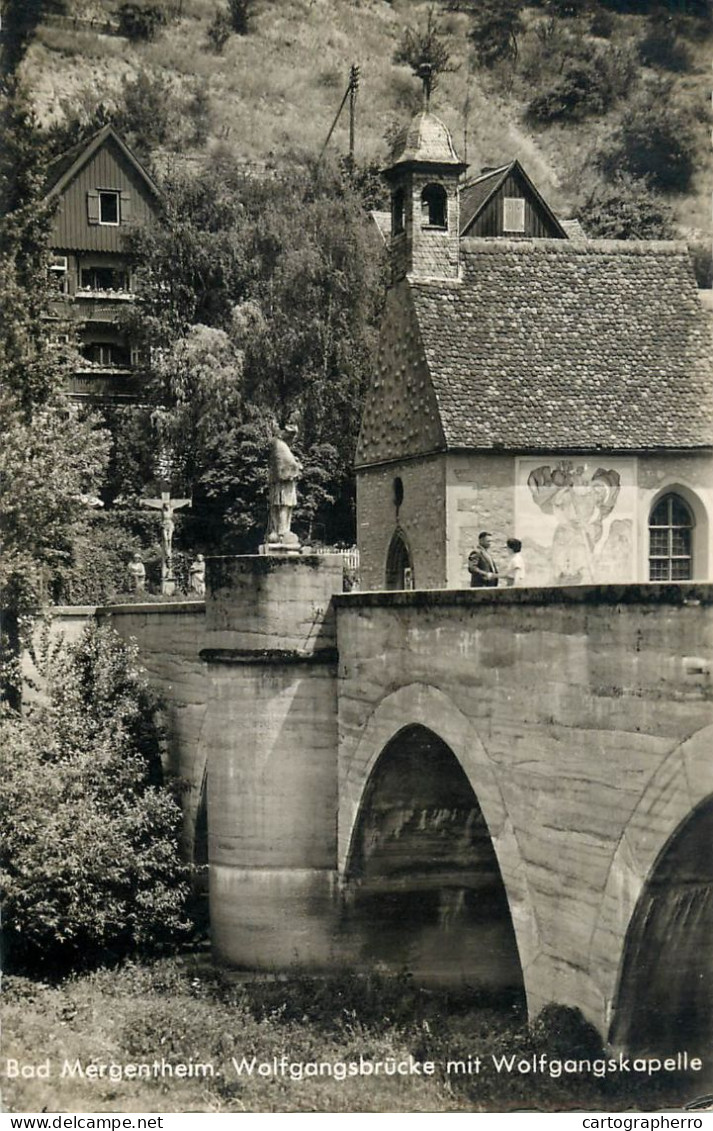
(167, 506)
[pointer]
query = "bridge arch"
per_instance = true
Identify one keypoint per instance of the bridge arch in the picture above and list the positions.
(427, 710)
(681, 788)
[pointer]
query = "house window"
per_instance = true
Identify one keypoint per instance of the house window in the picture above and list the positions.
(434, 207)
(398, 212)
(58, 273)
(513, 214)
(103, 279)
(108, 207)
(670, 540)
(106, 355)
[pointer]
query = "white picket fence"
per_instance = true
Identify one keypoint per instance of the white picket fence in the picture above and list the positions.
(350, 556)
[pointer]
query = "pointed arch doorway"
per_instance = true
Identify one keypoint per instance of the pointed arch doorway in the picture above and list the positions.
(399, 565)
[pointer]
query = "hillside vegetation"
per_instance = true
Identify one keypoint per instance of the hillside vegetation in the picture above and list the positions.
(575, 74)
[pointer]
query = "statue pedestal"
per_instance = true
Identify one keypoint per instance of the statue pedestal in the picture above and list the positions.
(270, 740)
(168, 579)
(290, 548)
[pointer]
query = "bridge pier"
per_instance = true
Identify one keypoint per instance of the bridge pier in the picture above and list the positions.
(271, 744)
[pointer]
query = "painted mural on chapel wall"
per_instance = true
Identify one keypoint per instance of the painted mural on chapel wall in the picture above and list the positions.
(576, 518)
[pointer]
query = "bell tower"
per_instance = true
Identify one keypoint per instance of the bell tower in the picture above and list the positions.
(424, 175)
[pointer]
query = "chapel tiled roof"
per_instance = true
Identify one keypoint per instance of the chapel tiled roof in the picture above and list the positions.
(560, 344)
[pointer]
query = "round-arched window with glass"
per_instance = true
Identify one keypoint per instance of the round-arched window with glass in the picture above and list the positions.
(671, 540)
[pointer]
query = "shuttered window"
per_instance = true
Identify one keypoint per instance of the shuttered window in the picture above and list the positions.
(93, 207)
(513, 214)
(108, 206)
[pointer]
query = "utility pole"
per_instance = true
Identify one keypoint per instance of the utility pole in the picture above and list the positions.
(351, 94)
(353, 90)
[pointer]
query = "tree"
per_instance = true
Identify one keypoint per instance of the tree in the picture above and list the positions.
(495, 27)
(626, 209)
(89, 862)
(655, 141)
(51, 457)
(197, 386)
(425, 48)
(267, 295)
(140, 21)
(20, 19)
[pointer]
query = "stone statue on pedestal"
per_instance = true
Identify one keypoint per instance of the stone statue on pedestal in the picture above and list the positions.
(285, 469)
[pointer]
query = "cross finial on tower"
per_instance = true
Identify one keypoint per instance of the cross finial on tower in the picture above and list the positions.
(425, 73)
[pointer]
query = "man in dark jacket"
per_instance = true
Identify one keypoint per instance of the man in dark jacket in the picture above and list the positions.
(481, 566)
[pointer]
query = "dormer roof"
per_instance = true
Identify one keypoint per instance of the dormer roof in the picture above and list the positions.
(476, 195)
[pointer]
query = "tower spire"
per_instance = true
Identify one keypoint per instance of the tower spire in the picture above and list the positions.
(425, 73)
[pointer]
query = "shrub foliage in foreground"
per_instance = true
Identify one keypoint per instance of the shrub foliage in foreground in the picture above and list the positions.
(89, 861)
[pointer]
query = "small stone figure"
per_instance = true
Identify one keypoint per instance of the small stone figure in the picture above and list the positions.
(285, 470)
(197, 576)
(137, 573)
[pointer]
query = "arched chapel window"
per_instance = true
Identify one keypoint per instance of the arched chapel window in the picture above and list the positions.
(671, 540)
(398, 212)
(434, 206)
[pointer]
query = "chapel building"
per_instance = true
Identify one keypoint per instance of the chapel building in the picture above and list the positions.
(532, 383)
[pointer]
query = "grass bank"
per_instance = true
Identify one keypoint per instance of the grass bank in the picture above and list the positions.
(183, 1012)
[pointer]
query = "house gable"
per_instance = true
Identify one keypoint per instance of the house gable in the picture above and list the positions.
(102, 176)
(505, 202)
(401, 416)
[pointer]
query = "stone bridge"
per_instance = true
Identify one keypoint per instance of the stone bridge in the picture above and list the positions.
(509, 788)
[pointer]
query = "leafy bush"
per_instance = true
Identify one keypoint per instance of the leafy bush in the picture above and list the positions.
(661, 48)
(219, 31)
(602, 24)
(626, 209)
(89, 860)
(496, 25)
(589, 83)
(241, 12)
(655, 141)
(140, 21)
(702, 260)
